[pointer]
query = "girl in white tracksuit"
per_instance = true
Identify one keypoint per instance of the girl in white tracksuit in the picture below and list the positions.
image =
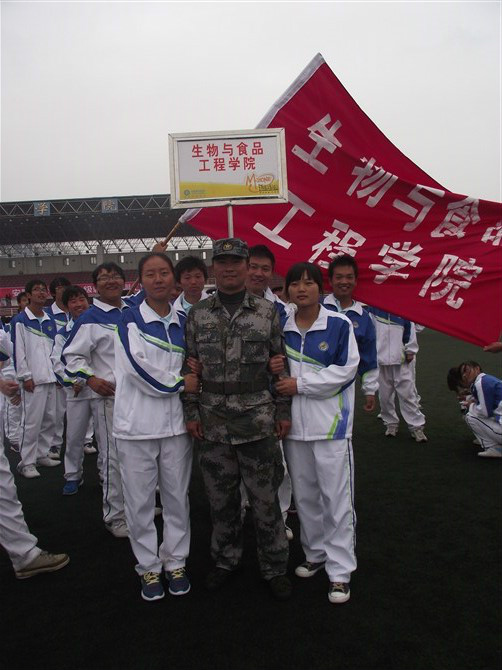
(148, 425)
(323, 359)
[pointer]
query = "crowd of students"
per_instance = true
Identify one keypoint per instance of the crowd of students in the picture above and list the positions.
(121, 369)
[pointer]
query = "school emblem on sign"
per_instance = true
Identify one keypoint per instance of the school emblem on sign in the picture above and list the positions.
(323, 346)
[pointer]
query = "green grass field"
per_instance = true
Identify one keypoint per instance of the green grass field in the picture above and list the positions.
(426, 595)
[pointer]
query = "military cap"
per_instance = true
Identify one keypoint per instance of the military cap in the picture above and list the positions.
(230, 246)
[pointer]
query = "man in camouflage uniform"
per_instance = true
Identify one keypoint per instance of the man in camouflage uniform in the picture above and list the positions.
(235, 420)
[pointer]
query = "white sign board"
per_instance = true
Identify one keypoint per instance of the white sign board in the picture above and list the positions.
(238, 167)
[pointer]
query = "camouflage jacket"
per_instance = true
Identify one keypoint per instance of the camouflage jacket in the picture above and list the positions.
(235, 405)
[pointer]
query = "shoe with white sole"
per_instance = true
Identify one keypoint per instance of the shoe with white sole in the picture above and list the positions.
(308, 569)
(391, 431)
(492, 452)
(90, 449)
(151, 586)
(28, 471)
(338, 592)
(117, 528)
(44, 562)
(54, 453)
(418, 435)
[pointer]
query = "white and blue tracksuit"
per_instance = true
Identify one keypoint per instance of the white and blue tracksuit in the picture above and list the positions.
(32, 341)
(15, 537)
(152, 442)
(318, 449)
(89, 351)
(59, 315)
(396, 337)
(79, 424)
(485, 414)
(12, 415)
(365, 334)
(61, 318)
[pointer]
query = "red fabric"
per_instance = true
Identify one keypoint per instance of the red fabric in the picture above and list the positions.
(453, 283)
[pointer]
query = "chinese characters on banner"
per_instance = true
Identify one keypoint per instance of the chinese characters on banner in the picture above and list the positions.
(424, 253)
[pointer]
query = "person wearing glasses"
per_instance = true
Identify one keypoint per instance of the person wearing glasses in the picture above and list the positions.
(89, 355)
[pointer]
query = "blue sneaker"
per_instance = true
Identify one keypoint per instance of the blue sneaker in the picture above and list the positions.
(151, 586)
(178, 582)
(71, 487)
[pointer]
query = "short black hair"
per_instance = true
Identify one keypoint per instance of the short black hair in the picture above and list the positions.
(20, 296)
(154, 254)
(296, 272)
(109, 267)
(189, 263)
(262, 251)
(343, 261)
(34, 282)
(58, 281)
(454, 377)
(72, 292)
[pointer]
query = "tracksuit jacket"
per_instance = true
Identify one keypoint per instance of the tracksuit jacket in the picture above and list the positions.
(148, 360)
(395, 337)
(89, 350)
(324, 363)
(487, 392)
(32, 343)
(365, 334)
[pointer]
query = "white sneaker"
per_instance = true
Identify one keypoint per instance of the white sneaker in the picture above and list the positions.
(492, 452)
(48, 462)
(391, 431)
(28, 471)
(418, 435)
(117, 528)
(54, 453)
(90, 449)
(338, 592)
(476, 442)
(44, 562)
(289, 533)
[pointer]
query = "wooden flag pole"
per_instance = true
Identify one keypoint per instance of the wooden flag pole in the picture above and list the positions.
(159, 246)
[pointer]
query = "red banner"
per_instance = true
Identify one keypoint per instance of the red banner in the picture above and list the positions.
(424, 253)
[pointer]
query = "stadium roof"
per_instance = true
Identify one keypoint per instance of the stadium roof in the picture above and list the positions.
(78, 226)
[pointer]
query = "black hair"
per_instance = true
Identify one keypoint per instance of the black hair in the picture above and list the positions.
(277, 289)
(20, 296)
(109, 267)
(262, 251)
(154, 254)
(296, 272)
(58, 281)
(343, 261)
(34, 282)
(189, 263)
(454, 377)
(73, 292)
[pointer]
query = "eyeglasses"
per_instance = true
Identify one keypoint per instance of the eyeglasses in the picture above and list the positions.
(103, 278)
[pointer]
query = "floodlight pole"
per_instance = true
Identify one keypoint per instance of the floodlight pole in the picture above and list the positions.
(230, 220)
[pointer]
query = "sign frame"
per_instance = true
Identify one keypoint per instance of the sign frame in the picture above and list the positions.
(178, 202)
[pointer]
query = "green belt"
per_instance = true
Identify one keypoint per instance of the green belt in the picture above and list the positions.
(234, 388)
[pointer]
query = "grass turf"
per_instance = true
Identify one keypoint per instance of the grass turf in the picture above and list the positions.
(426, 595)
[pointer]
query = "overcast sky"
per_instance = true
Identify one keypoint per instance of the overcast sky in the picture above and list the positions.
(90, 90)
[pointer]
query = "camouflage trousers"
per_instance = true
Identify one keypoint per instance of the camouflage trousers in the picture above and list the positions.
(259, 464)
